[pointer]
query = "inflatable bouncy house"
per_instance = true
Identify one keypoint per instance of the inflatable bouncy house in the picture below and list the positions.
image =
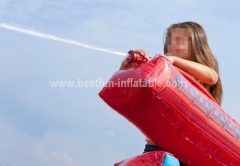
(176, 113)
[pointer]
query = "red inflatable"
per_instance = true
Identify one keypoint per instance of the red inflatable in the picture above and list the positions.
(175, 112)
(155, 158)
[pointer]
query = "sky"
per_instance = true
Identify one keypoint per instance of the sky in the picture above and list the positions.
(71, 126)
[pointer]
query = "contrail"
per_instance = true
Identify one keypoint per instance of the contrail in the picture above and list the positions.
(55, 38)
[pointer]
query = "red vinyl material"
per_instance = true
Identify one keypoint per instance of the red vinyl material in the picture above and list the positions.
(175, 112)
(155, 158)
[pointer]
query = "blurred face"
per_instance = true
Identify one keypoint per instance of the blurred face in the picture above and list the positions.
(178, 43)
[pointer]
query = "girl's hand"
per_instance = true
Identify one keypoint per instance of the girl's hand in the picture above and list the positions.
(143, 53)
(170, 58)
(126, 64)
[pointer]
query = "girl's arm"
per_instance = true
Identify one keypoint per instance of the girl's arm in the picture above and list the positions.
(197, 70)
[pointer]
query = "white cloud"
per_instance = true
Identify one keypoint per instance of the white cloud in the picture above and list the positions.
(63, 157)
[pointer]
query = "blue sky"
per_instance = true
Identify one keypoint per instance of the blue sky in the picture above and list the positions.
(41, 125)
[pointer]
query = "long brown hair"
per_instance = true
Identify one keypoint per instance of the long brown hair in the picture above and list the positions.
(201, 53)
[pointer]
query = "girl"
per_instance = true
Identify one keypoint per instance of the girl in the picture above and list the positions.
(186, 47)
